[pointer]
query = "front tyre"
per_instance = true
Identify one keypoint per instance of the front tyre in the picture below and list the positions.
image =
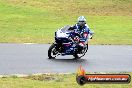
(52, 52)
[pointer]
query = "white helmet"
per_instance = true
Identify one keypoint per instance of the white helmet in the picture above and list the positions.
(81, 20)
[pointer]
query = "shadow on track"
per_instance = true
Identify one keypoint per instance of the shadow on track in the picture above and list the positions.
(69, 60)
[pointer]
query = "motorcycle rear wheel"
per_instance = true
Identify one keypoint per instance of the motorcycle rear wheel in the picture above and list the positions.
(77, 56)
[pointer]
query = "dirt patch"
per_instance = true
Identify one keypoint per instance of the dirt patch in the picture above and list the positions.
(45, 77)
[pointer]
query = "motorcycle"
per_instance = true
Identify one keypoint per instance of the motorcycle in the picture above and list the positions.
(65, 44)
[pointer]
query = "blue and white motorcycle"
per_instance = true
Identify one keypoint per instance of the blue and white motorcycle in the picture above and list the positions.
(65, 44)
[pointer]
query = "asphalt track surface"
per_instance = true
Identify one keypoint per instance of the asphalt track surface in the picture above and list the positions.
(32, 58)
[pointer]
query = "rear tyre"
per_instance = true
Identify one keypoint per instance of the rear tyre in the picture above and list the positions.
(51, 52)
(78, 56)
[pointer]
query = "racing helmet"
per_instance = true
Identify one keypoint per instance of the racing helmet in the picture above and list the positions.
(81, 21)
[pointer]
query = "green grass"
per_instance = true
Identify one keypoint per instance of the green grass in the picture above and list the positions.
(35, 21)
(53, 81)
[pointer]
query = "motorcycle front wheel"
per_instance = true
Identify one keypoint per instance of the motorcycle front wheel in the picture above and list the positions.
(52, 52)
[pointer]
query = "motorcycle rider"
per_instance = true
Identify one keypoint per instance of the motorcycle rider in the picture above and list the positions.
(83, 31)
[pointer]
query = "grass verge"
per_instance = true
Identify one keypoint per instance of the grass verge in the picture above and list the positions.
(52, 81)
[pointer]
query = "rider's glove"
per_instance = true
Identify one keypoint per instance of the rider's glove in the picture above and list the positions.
(76, 39)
